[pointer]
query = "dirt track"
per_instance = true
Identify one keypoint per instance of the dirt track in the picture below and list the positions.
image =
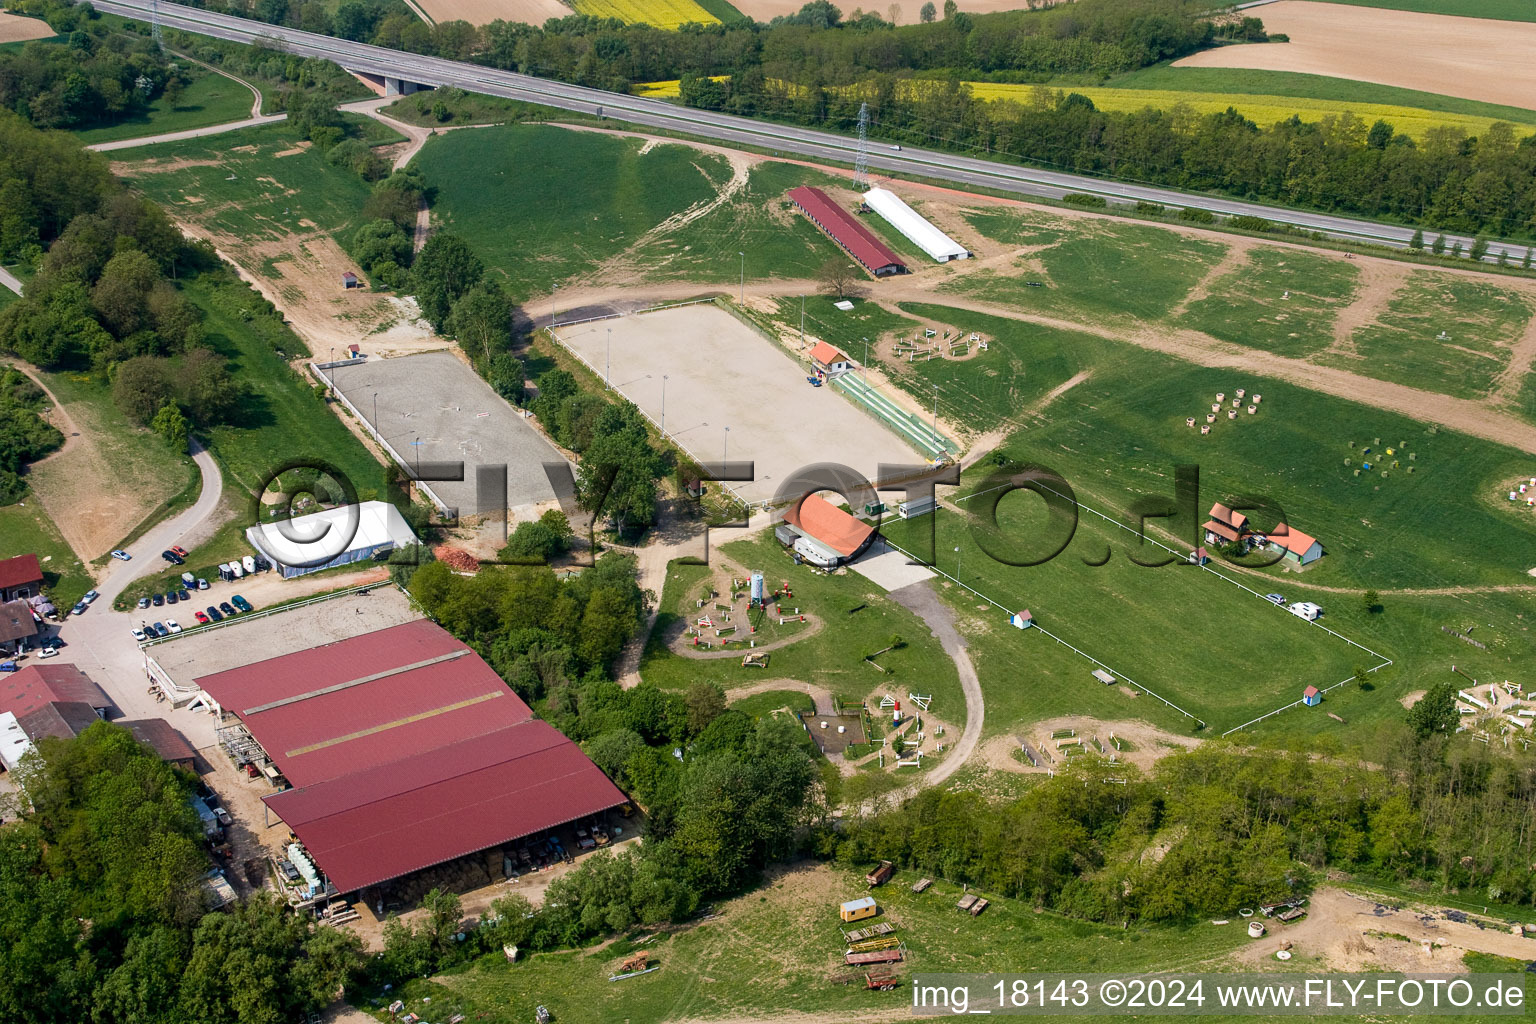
(1474, 58)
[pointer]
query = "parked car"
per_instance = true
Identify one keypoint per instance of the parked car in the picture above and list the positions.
(172, 557)
(241, 603)
(9, 666)
(1274, 599)
(47, 652)
(215, 614)
(179, 551)
(139, 634)
(90, 597)
(143, 602)
(121, 555)
(78, 609)
(173, 625)
(227, 609)
(183, 594)
(159, 628)
(202, 584)
(202, 618)
(157, 600)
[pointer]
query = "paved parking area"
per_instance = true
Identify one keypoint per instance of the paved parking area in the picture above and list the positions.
(723, 374)
(433, 408)
(889, 569)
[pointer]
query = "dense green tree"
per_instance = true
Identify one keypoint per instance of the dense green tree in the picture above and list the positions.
(170, 424)
(210, 391)
(141, 386)
(482, 321)
(1435, 712)
(445, 269)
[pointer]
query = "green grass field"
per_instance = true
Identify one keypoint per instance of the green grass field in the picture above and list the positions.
(759, 221)
(832, 658)
(26, 529)
(1221, 654)
(1500, 10)
(1249, 305)
(845, 329)
(1119, 433)
(282, 419)
(1479, 321)
(772, 951)
(576, 198)
(1247, 81)
(210, 99)
(580, 199)
(255, 185)
(1106, 270)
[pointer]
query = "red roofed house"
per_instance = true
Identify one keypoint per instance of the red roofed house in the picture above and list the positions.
(829, 360)
(1225, 526)
(823, 534)
(1295, 546)
(406, 751)
(16, 624)
(36, 685)
(845, 229)
(20, 577)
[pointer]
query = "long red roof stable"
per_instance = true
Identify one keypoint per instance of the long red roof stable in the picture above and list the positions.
(847, 232)
(407, 750)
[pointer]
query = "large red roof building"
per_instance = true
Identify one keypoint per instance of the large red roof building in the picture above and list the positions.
(846, 231)
(406, 750)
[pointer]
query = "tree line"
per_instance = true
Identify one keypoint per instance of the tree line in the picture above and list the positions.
(1449, 180)
(103, 916)
(1220, 827)
(24, 436)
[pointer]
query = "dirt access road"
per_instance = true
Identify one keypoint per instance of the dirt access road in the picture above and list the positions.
(1474, 58)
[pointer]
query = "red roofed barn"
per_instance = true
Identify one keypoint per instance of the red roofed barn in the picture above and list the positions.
(823, 534)
(20, 577)
(844, 228)
(406, 751)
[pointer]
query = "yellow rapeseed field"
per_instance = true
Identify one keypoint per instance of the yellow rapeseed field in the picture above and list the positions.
(1262, 110)
(660, 13)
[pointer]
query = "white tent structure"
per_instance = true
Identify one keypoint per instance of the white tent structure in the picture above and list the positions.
(335, 536)
(914, 226)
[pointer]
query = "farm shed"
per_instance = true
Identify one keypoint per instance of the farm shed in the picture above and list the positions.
(859, 909)
(829, 360)
(349, 280)
(1311, 697)
(407, 751)
(20, 577)
(825, 535)
(163, 738)
(1296, 547)
(844, 229)
(336, 536)
(917, 228)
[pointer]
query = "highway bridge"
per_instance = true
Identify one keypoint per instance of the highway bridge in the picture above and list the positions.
(402, 72)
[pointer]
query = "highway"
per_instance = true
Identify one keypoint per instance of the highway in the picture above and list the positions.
(807, 143)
